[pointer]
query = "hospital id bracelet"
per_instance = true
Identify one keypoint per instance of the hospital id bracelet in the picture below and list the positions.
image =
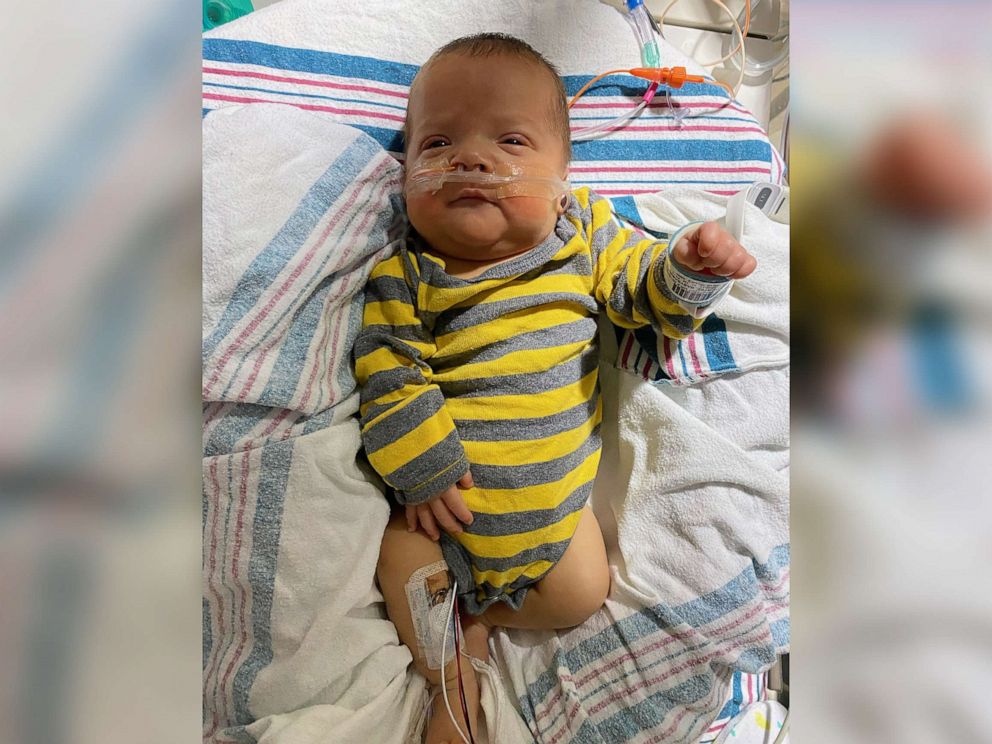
(694, 290)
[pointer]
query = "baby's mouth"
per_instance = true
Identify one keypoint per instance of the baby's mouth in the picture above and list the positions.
(470, 194)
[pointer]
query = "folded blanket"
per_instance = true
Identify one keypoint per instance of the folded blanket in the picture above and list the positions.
(750, 329)
(296, 212)
(692, 494)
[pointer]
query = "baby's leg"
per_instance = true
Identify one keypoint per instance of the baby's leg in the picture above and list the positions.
(570, 592)
(402, 554)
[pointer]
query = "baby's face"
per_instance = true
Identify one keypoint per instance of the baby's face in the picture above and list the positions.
(477, 111)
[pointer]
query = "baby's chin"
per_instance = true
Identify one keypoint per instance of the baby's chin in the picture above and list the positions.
(479, 247)
(477, 239)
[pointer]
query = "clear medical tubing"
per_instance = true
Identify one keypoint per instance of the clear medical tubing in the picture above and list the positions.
(641, 21)
(638, 16)
(757, 67)
(504, 181)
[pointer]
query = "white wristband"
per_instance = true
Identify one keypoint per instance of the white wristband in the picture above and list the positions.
(695, 291)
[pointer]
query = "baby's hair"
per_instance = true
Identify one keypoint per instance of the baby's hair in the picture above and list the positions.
(491, 44)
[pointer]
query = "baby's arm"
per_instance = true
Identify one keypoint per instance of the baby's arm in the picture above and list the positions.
(630, 271)
(409, 436)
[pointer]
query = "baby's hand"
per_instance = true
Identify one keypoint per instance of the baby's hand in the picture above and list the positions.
(711, 247)
(446, 508)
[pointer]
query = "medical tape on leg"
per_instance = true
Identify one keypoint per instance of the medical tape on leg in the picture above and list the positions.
(428, 594)
(504, 181)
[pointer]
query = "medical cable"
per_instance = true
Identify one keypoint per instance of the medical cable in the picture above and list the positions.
(444, 647)
(671, 77)
(674, 77)
(644, 27)
(458, 666)
(741, 35)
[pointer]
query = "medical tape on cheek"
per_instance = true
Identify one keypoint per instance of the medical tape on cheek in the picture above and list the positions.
(505, 181)
(428, 594)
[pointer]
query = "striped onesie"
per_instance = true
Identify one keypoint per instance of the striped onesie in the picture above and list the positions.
(499, 374)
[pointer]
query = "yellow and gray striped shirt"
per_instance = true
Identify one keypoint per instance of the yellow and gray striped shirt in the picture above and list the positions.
(499, 374)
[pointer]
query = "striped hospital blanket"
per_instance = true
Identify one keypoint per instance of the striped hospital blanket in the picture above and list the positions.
(721, 148)
(660, 674)
(296, 211)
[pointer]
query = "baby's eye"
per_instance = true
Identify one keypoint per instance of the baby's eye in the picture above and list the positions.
(513, 140)
(436, 142)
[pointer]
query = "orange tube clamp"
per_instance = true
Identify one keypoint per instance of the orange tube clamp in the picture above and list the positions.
(672, 76)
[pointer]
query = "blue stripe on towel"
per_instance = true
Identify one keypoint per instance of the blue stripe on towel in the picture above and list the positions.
(226, 640)
(389, 139)
(265, 267)
(273, 478)
(298, 94)
(685, 368)
(207, 636)
(734, 595)
(781, 632)
(293, 360)
(653, 150)
(233, 426)
(308, 60)
(719, 357)
(733, 706)
(626, 208)
(752, 660)
(646, 714)
(282, 384)
(778, 559)
(728, 598)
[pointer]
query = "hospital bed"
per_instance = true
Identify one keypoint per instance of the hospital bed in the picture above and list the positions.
(303, 104)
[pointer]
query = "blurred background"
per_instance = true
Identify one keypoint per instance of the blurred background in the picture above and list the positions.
(891, 168)
(891, 172)
(99, 372)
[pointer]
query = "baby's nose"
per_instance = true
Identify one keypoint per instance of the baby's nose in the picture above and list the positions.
(472, 158)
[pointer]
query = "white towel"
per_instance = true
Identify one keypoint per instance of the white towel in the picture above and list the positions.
(749, 328)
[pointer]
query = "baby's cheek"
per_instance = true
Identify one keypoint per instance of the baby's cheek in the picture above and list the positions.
(422, 208)
(531, 209)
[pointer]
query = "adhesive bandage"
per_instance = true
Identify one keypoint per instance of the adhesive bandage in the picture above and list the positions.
(428, 594)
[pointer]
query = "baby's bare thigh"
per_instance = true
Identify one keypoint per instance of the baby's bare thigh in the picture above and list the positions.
(581, 579)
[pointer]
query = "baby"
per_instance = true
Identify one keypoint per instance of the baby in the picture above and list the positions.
(478, 362)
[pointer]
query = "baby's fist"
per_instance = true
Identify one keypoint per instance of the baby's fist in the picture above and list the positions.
(711, 247)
